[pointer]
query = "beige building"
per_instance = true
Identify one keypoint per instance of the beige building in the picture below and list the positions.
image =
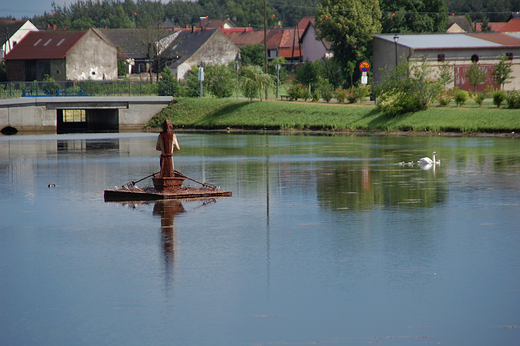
(457, 50)
(190, 48)
(63, 55)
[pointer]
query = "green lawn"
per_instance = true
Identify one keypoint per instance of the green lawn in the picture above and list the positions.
(212, 113)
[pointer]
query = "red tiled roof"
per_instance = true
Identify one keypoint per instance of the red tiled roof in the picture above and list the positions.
(246, 38)
(495, 26)
(289, 53)
(512, 26)
(288, 38)
(44, 45)
(303, 24)
(274, 38)
(496, 37)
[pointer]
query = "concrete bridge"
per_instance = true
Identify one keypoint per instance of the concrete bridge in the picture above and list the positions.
(80, 113)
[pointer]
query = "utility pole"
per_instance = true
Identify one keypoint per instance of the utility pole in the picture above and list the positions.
(265, 43)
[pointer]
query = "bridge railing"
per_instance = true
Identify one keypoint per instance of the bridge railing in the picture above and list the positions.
(84, 88)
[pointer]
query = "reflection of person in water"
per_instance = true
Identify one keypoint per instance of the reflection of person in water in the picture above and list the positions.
(167, 209)
(167, 144)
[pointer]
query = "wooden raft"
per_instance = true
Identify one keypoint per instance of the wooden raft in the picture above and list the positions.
(150, 194)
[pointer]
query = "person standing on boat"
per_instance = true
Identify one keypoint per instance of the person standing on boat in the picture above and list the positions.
(167, 144)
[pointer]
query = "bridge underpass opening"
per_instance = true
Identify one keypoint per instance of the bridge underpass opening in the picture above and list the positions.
(87, 120)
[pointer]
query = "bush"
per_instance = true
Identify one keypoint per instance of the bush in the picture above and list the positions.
(408, 82)
(499, 96)
(489, 91)
(306, 94)
(363, 90)
(341, 95)
(479, 98)
(513, 99)
(316, 95)
(395, 103)
(327, 92)
(460, 96)
(352, 95)
(296, 91)
(50, 87)
(444, 98)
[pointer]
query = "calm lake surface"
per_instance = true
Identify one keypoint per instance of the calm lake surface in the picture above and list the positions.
(325, 240)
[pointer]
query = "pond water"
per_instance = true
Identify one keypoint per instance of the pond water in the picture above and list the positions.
(325, 240)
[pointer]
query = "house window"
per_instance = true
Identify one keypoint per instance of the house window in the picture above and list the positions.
(74, 116)
(441, 57)
(474, 58)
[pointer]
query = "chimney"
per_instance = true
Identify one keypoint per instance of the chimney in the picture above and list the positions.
(54, 27)
(187, 26)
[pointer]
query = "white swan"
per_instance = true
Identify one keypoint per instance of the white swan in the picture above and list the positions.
(427, 161)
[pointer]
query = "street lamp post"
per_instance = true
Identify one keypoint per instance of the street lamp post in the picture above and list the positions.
(201, 78)
(396, 39)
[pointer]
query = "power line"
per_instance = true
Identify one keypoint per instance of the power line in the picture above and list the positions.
(389, 12)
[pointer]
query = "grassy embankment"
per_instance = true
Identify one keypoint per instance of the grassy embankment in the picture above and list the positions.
(211, 113)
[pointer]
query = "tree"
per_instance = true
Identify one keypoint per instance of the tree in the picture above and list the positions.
(414, 16)
(274, 73)
(219, 80)
(309, 72)
(475, 75)
(168, 85)
(253, 55)
(503, 71)
(410, 87)
(192, 82)
(350, 25)
(253, 81)
(249, 13)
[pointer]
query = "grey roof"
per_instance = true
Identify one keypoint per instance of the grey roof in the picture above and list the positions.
(132, 42)
(439, 41)
(186, 44)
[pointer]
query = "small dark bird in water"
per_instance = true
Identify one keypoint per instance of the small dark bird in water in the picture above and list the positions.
(51, 185)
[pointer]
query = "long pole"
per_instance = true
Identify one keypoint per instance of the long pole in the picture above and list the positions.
(395, 53)
(265, 43)
(277, 81)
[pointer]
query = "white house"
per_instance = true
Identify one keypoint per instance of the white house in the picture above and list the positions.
(457, 50)
(312, 47)
(12, 32)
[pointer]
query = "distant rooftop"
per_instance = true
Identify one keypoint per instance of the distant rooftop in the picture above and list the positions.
(454, 41)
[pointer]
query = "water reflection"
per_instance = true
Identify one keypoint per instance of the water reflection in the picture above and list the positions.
(167, 210)
(360, 188)
(319, 231)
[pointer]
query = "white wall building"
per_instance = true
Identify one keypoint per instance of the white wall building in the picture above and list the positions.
(16, 31)
(457, 50)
